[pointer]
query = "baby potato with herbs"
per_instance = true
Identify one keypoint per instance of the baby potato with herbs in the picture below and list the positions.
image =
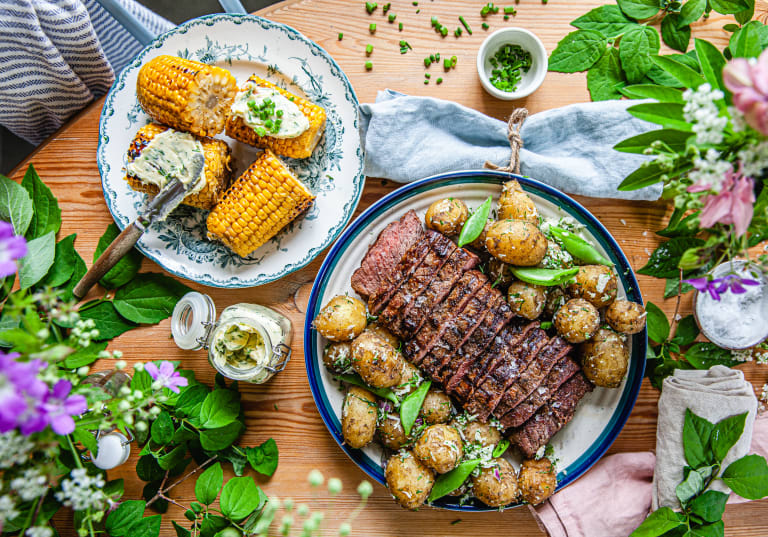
(605, 359)
(516, 204)
(577, 320)
(337, 357)
(408, 480)
(391, 432)
(376, 361)
(516, 242)
(625, 316)
(447, 216)
(439, 447)
(556, 297)
(596, 283)
(537, 480)
(358, 417)
(384, 334)
(526, 299)
(436, 407)
(473, 432)
(496, 486)
(342, 319)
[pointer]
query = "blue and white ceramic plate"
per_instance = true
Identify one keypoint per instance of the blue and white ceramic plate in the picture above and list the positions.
(599, 417)
(244, 44)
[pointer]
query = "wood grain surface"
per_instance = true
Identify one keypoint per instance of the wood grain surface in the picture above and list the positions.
(283, 408)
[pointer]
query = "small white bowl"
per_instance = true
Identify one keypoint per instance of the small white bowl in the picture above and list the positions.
(513, 36)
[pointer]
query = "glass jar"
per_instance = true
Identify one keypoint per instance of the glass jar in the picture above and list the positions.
(248, 342)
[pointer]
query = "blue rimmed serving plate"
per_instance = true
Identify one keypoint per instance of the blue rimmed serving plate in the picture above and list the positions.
(599, 417)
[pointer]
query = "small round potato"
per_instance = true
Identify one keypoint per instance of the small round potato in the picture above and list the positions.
(556, 297)
(410, 378)
(527, 300)
(476, 432)
(479, 243)
(500, 274)
(577, 320)
(376, 361)
(496, 486)
(556, 257)
(337, 357)
(596, 283)
(384, 334)
(516, 242)
(436, 407)
(439, 447)
(537, 480)
(358, 417)
(342, 319)
(515, 204)
(626, 317)
(408, 480)
(447, 216)
(605, 359)
(391, 432)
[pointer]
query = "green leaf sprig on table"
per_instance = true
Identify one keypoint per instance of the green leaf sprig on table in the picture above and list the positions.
(705, 446)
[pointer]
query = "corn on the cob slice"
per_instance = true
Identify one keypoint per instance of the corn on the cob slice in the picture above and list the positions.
(301, 146)
(186, 95)
(218, 170)
(261, 202)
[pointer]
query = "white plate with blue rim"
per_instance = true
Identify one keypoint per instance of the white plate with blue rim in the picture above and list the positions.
(599, 417)
(243, 44)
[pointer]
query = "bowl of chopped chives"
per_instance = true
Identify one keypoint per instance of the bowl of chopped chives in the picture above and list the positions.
(511, 63)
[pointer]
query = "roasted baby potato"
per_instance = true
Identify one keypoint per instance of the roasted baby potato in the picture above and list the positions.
(556, 297)
(527, 300)
(391, 432)
(596, 283)
(625, 316)
(337, 357)
(376, 361)
(577, 320)
(447, 216)
(537, 480)
(436, 407)
(408, 480)
(496, 486)
(500, 274)
(556, 257)
(410, 378)
(605, 358)
(477, 432)
(384, 334)
(358, 417)
(515, 204)
(439, 447)
(342, 319)
(479, 243)
(516, 242)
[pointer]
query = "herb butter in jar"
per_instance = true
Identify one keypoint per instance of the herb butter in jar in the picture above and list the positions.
(248, 342)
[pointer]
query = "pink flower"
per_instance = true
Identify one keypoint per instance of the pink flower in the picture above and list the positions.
(748, 81)
(166, 375)
(60, 407)
(732, 205)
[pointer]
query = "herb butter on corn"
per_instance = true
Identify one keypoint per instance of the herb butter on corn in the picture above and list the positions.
(268, 112)
(167, 156)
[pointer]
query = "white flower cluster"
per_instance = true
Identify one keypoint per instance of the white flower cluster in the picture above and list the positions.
(744, 355)
(709, 170)
(82, 491)
(700, 110)
(14, 449)
(8, 508)
(754, 159)
(84, 331)
(738, 122)
(32, 484)
(40, 531)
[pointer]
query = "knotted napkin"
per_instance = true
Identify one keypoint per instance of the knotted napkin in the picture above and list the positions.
(570, 148)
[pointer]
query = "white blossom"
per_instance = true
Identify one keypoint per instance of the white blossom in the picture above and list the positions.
(40, 531)
(7, 508)
(84, 331)
(700, 110)
(14, 449)
(81, 491)
(32, 484)
(754, 159)
(744, 355)
(738, 123)
(709, 170)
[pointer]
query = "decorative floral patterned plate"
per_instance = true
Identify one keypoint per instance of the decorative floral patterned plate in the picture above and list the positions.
(244, 44)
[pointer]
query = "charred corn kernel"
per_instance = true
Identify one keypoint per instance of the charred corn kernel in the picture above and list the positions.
(218, 168)
(186, 95)
(301, 146)
(261, 202)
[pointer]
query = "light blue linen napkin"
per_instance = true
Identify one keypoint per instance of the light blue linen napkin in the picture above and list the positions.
(571, 148)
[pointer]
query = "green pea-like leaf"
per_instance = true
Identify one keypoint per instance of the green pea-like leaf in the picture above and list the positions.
(657, 323)
(475, 224)
(578, 51)
(450, 481)
(748, 477)
(411, 406)
(209, 484)
(606, 78)
(635, 49)
(239, 498)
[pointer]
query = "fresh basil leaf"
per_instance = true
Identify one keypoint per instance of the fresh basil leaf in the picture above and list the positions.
(747, 42)
(651, 91)
(729, 7)
(121, 521)
(209, 484)
(35, 265)
(675, 36)
(475, 224)
(748, 477)
(691, 12)
(182, 435)
(709, 530)
(658, 523)
(84, 355)
(46, 216)
(689, 488)
(712, 63)
(578, 51)
(191, 400)
(744, 16)
(125, 269)
(675, 139)
(668, 115)
(605, 79)
(639, 9)
(263, 458)
(657, 323)
(688, 77)
(663, 261)
(726, 433)
(608, 20)
(16, 206)
(697, 433)
(239, 498)
(220, 407)
(635, 49)
(687, 331)
(411, 406)
(108, 322)
(659, 76)
(221, 437)
(689, 59)
(63, 263)
(650, 175)
(709, 506)
(162, 428)
(450, 481)
(149, 297)
(705, 355)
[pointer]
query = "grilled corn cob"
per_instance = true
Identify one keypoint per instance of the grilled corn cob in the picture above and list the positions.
(218, 171)
(301, 146)
(261, 202)
(186, 95)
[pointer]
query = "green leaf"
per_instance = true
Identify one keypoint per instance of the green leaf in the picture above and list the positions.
(635, 49)
(689, 488)
(662, 78)
(162, 428)
(672, 286)
(674, 34)
(221, 437)
(639, 9)
(695, 258)
(37, 262)
(657, 323)
(180, 530)
(149, 298)
(663, 261)
(577, 51)
(450, 481)
(675, 139)
(141, 381)
(688, 77)
(263, 458)
(705, 355)
(63, 263)
(209, 484)
(239, 461)
(712, 63)
(725, 435)
(191, 399)
(219, 408)
(729, 7)
(710, 530)
(411, 406)
(748, 477)
(15, 205)
(78, 272)
(125, 269)
(172, 458)
(697, 433)
(684, 227)
(121, 521)
(691, 12)
(747, 42)
(108, 322)
(239, 498)
(475, 224)
(148, 469)
(669, 115)
(146, 527)
(47, 215)
(650, 175)
(687, 331)
(651, 91)
(743, 17)
(84, 355)
(709, 506)
(212, 524)
(606, 78)
(658, 523)
(608, 20)
(86, 438)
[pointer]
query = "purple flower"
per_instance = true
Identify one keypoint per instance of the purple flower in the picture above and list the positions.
(21, 393)
(59, 407)
(715, 287)
(166, 375)
(12, 247)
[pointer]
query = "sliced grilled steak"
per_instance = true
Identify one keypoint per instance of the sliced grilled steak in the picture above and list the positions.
(469, 284)
(551, 417)
(533, 376)
(563, 370)
(385, 253)
(419, 309)
(440, 249)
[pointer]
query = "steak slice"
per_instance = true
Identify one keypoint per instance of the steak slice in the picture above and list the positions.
(563, 370)
(385, 252)
(419, 309)
(469, 284)
(440, 249)
(550, 418)
(532, 377)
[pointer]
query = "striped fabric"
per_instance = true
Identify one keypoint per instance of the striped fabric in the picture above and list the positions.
(57, 56)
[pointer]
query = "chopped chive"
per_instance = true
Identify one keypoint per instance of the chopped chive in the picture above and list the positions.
(427, 75)
(418, 11)
(506, 17)
(443, 31)
(440, 80)
(457, 31)
(426, 81)
(543, 1)
(368, 66)
(370, 7)
(446, 64)
(391, 17)
(485, 26)
(368, 49)
(437, 57)
(427, 62)
(400, 26)
(415, 3)
(454, 59)
(466, 26)
(279, 113)
(386, 7)
(510, 10)
(435, 23)
(341, 36)
(372, 28)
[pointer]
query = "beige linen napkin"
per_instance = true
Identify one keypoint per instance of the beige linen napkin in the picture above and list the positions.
(713, 394)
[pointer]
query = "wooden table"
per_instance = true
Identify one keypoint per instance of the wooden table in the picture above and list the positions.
(284, 408)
